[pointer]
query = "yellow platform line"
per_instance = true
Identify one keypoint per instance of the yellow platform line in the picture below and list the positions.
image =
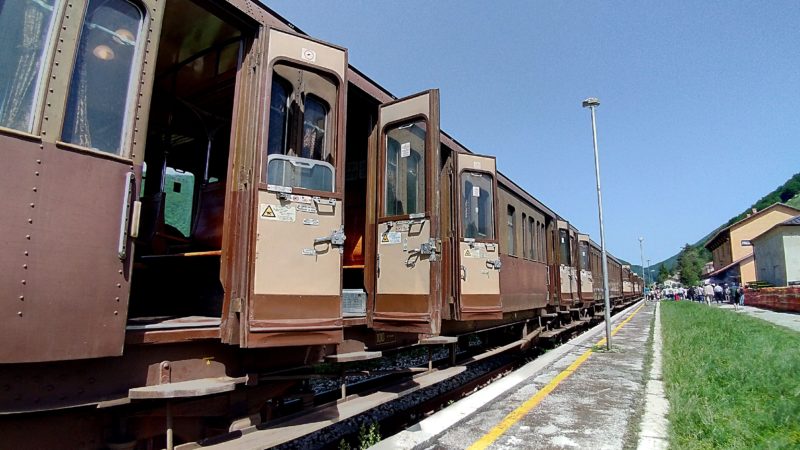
(514, 416)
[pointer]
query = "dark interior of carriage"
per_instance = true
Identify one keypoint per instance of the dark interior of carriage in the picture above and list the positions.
(176, 271)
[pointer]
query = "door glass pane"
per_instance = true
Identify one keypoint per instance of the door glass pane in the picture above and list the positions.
(477, 205)
(25, 29)
(98, 93)
(584, 255)
(533, 231)
(404, 190)
(315, 122)
(290, 171)
(565, 254)
(278, 117)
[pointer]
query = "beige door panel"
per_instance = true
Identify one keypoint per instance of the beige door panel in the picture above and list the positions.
(402, 268)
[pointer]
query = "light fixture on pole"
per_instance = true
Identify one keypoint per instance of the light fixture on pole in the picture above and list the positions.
(593, 103)
(648, 271)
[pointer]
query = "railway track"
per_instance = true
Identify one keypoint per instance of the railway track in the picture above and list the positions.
(393, 401)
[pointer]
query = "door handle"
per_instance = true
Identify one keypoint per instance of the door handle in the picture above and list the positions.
(124, 222)
(494, 264)
(463, 272)
(336, 238)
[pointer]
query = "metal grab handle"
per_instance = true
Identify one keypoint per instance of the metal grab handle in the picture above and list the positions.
(124, 222)
(337, 237)
(463, 272)
(495, 264)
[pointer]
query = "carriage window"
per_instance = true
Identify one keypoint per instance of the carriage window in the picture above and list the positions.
(477, 205)
(543, 240)
(512, 238)
(290, 171)
(278, 117)
(565, 253)
(404, 191)
(584, 246)
(533, 233)
(99, 87)
(25, 29)
(315, 118)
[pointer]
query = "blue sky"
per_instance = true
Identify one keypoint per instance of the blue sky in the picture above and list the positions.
(699, 111)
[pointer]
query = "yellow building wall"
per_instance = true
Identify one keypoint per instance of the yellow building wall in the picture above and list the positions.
(747, 270)
(752, 228)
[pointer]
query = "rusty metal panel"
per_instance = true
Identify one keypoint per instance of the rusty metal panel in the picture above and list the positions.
(61, 231)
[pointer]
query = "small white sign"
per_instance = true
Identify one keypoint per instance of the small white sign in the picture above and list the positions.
(277, 212)
(405, 150)
(476, 191)
(308, 55)
(306, 209)
(476, 164)
(391, 237)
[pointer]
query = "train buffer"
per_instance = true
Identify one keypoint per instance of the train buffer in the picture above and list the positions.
(576, 396)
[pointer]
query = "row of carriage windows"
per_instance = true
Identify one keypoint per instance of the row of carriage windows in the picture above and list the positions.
(98, 97)
(533, 236)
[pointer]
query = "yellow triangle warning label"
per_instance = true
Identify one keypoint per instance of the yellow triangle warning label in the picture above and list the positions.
(467, 253)
(385, 238)
(268, 212)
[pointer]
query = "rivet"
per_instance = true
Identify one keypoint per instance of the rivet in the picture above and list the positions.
(22, 297)
(30, 220)
(39, 161)
(116, 298)
(28, 237)
(24, 266)
(116, 313)
(32, 205)
(26, 253)
(37, 173)
(24, 282)
(19, 313)
(120, 271)
(34, 189)
(119, 285)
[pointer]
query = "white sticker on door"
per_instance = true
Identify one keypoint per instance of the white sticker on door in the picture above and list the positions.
(277, 212)
(391, 237)
(405, 150)
(476, 191)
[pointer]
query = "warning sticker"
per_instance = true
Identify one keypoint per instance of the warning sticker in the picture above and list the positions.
(391, 237)
(472, 253)
(405, 150)
(476, 191)
(277, 212)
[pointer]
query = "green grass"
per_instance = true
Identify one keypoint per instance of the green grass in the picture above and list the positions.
(733, 382)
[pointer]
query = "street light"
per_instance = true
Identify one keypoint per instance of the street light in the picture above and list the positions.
(592, 103)
(641, 254)
(648, 271)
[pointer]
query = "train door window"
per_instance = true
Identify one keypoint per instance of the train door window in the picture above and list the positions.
(564, 243)
(543, 241)
(100, 87)
(584, 246)
(405, 169)
(26, 28)
(512, 238)
(477, 205)
(299, 144)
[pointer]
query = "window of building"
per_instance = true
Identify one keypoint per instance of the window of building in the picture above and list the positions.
(100, 89)
(404, 190)
(512, 236)
(26, 28)
(477, 205)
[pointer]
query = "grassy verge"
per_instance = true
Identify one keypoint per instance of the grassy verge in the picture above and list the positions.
(732, 381)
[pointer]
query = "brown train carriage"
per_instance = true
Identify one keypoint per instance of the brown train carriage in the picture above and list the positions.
(614, 279)
(586, 274)
(189, 186)
(627, 282)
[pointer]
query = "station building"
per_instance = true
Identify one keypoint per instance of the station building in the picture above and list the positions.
(777, 253)
(731, 247)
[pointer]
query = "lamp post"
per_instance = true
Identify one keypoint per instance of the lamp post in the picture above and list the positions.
(641, 255)
(648, 271)
(593, 103)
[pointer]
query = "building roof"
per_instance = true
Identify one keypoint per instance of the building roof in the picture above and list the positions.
(727, 268)
(793, 222)
(725, 231)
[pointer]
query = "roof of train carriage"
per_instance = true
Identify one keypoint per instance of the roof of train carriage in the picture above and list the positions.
(448, 140)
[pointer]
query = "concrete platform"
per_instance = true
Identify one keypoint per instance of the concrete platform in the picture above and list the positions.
(788, 320)
(570, 397)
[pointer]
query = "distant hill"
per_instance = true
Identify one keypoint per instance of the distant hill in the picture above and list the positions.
(788, 192)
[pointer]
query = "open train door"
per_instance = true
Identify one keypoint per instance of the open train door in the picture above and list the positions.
(298, 230)
(478, 257)
(408, 243)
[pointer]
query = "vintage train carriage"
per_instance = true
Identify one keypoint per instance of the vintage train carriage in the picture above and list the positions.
(565, 264)
(614, 278)
(627, 282)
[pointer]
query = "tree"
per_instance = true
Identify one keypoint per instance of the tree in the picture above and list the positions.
(663, 273)
(689, 265)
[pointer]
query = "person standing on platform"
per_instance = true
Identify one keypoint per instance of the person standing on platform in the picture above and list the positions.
(718, 293)
(708, 292)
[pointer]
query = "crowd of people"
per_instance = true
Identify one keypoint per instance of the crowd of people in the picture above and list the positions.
(719, 293)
